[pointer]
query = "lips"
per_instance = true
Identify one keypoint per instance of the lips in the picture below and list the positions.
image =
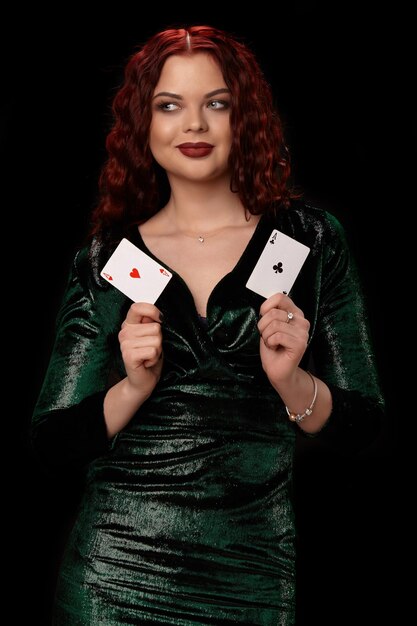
(195, 150)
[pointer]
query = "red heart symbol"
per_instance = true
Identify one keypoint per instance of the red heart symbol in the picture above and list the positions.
(134, 273)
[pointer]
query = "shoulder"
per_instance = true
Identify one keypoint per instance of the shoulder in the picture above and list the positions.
(90, 259)
(314, 226)
(306, 216)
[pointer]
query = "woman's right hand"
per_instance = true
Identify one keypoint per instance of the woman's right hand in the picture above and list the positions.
(141, 346)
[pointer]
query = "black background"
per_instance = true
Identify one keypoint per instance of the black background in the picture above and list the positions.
(342, 89)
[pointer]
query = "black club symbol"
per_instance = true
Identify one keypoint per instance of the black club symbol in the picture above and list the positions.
(278, 268)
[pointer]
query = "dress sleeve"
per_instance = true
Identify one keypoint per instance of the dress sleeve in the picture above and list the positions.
(342, 348)
(68, 427)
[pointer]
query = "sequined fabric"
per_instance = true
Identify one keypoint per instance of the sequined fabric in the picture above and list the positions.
(187, 515)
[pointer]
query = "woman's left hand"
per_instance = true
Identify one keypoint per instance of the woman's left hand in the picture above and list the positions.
(284, 336)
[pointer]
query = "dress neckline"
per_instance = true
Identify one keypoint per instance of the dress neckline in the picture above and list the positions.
(138, 240)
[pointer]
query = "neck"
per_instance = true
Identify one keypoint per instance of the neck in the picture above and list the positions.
(204, 207)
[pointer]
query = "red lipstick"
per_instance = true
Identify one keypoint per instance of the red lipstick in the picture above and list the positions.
(195, 150)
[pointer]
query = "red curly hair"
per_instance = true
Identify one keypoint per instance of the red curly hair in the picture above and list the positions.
(259, 160)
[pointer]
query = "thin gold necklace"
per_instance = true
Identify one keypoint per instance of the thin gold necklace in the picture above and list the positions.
(202, 238)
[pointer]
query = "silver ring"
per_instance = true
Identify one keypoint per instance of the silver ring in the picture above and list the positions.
(290, 316)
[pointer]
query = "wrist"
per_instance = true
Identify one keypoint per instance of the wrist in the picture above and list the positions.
(289, 385)
(135, 393)
(299, 417)
(121, 403)
(299, 394)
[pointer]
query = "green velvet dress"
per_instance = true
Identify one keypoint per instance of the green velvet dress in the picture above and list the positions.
(187, 515)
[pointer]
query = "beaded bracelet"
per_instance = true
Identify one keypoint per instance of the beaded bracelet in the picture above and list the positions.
(299, 417)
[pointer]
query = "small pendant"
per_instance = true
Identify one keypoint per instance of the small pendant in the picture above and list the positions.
(201, 239)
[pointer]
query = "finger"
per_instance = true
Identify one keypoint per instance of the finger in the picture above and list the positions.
(133, 332)
(278, 333)
(141, 312)
(274, 316)
(147, 356)
(279, 321)
(132, 347)
(294, 318)
(153, 358)
(277, 301)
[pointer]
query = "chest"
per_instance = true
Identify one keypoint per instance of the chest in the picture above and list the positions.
(203, 265)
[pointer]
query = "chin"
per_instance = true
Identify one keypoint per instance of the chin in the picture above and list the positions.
(198, 173)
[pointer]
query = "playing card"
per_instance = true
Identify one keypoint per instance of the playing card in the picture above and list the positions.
(135, 273)
(278, 266)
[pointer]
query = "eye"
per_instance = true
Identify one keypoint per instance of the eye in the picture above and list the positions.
(218, 104)
(168, 106)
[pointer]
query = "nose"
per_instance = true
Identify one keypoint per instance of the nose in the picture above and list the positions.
(195, 120)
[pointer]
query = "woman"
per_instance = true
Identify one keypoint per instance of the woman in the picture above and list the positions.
(184, 412)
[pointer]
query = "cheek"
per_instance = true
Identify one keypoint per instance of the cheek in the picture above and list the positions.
(151, 136)
(162, 134)
(154, 135)
(156, 140)
(158, 132)
(227, 134)
(225, 130)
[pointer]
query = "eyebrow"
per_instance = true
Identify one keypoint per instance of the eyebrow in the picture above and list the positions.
(178, 97)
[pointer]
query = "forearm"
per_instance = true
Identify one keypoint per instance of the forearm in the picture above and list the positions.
(297, 395)
(71, 436)
(121, 402)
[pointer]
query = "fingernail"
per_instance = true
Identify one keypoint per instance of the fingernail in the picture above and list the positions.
(161, 316)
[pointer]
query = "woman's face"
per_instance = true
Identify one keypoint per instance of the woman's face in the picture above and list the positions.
(190, 134)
